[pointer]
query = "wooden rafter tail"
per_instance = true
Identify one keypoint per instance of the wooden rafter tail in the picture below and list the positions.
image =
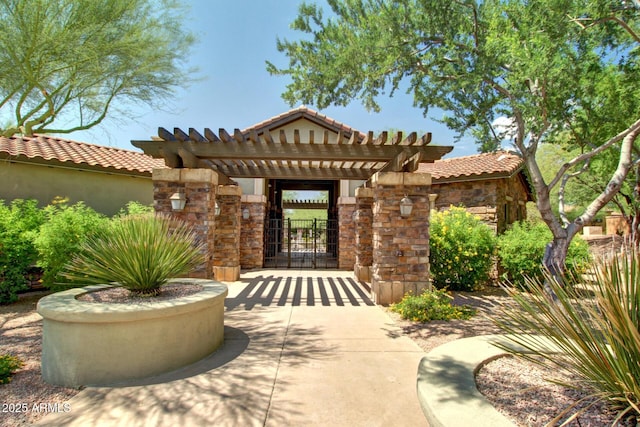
(353, 138)
(339, 137)
(188, 159)
(224, 135)
(180, 134)
(397, 138)
(254, 137)
(325, 137)
(425, 139)
(368, 139)
(382, 138)
(171, 158)
(165, 134)
(410, 139)
(296, 136)
(267, 137)
(283, 137)
(311, 136)
(195, 136)
(238, 136)
(413, 163)
(210, 135)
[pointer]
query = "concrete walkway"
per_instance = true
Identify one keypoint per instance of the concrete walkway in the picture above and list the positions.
(306, 349)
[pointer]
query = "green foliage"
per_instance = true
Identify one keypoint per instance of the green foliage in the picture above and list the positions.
(18, 224)
(67, 61)
(135, 208)
(521, 249)
(462, 250)
(138, 252)
(8, 366)
(430, 305)
(598, 337)
(62, 235)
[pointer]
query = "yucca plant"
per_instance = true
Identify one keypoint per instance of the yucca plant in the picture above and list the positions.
(594, 338)
(140, 253)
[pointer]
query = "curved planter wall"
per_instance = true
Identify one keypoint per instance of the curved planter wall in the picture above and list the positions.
(89, 343)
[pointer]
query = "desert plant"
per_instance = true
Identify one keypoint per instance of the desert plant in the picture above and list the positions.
(430, 305)
(596, 339)
(60, 237)
(19, 223)
(521, 249)
(8, 366)
(138, 252)
(461, 250)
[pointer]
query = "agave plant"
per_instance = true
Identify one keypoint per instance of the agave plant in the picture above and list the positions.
(140, 253)
(594, 336)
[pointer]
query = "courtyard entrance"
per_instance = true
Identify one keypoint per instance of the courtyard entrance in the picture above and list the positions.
(301, 230)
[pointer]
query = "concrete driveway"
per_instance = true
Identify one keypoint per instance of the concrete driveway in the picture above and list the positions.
(302, 348)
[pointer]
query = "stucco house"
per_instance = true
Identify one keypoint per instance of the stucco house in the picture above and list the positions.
(44, 167)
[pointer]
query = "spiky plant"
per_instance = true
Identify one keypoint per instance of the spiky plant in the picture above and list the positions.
(597, 336)
(140, 253)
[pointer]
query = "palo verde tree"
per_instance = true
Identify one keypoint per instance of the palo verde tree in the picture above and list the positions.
(545, 68)
(65, 63)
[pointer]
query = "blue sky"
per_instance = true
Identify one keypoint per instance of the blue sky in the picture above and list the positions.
(235, 90)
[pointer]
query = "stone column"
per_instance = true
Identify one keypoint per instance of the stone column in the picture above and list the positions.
(346, 233)
(252, 231)
(200, 187)
(400, 245)
(226, 258)
(364, 233)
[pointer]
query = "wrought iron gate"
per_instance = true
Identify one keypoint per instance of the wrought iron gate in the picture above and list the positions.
(301, 243)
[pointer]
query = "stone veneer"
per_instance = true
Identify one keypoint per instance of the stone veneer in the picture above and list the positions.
(226, 256)
(346, 233)
(252, 231)
(364, 233)
(200, 187)
(400, 245)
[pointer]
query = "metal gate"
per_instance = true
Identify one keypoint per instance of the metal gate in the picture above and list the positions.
(301, 243)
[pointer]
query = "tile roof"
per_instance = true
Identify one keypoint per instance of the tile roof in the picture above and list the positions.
(480, 166)
(299, 112)
(82, 155)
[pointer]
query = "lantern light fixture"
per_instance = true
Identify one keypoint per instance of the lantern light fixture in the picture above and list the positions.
(245, 213)
(406, 206)
(217, 208)
(178, 201)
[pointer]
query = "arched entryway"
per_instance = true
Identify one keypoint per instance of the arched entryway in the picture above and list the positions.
(301, 230)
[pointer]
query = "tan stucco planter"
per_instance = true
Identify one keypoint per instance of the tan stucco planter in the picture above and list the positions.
(89, 343)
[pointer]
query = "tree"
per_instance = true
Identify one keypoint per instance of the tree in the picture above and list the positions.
(528, 72)
(64, 63)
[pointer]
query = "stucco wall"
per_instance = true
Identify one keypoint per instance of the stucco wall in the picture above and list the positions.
(106, 193)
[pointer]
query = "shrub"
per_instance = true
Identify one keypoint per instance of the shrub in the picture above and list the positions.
(598, 337)
(8, 366)
(18, 225)
(135, 208)
(462, 250)
(61, 236)
(521, 249)
(430, 305)
(139, 252)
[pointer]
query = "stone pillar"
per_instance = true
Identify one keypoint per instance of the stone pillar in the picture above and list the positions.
(346, 233)
(226, 259)
(364, 233)
(252, 231)
(400, 245)
(200, 187)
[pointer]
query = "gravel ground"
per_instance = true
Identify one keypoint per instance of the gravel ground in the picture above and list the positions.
(518, 391)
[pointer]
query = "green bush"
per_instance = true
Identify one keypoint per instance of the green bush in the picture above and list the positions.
(135, 208)
(61, 236)
(8, 366)
(521, 249)
(138, 252)
(598, 337)
(430, 305)
(19, 223)
(462, 250)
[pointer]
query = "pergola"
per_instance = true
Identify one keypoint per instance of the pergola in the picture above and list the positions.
(254, 154)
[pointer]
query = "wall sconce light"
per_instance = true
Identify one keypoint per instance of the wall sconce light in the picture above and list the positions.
(406, 206)
(217, 208)
(245, 213)
(178, 201)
